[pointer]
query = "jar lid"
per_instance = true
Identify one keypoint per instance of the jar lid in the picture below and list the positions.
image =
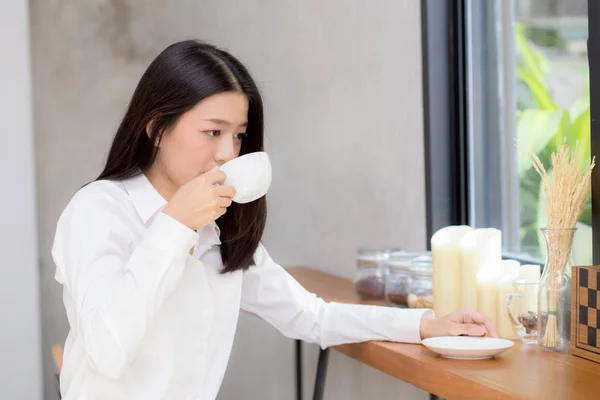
(422, 265)
(401, 260)
(374, 253)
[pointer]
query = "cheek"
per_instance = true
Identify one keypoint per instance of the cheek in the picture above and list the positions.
(185, 155)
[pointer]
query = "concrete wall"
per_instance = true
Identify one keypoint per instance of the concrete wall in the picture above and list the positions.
(342, 86)
(20, 335)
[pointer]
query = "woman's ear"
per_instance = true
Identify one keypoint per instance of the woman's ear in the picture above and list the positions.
(149, 126)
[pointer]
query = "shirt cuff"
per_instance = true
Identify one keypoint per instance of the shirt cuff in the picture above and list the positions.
(408, 324)
(166, 240)
(167, 233)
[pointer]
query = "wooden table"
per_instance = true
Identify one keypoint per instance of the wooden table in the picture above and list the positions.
(522, 372)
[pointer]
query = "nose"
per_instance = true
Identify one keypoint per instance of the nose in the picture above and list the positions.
(225, 150)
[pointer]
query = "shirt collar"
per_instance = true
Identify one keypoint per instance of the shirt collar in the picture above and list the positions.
(146, 199)
(147, 202)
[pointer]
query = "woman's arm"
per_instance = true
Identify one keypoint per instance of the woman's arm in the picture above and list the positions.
(116, 286)
(271, 293)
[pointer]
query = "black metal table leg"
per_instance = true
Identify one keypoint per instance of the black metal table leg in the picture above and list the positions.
(321, 374)
(57, 378)
(298, 370)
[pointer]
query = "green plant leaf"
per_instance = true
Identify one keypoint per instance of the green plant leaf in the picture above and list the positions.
(539, 92)
(531, 68)
(565, 130)
(532, 61)
(535, 129)
(580, 106)
(582, 134)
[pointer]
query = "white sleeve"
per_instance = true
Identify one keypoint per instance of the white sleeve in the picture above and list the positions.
(270, 292)
(116, 286)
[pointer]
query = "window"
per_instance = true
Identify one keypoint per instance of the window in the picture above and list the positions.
(515, 70)
(528, 80)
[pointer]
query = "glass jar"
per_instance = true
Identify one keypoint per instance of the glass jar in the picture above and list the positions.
(398, 278)
(421, 289)
(369, 281)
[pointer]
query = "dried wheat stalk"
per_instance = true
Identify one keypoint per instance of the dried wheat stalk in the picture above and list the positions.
(565, 192)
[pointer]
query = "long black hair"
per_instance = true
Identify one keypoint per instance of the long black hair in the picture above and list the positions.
(181, 76)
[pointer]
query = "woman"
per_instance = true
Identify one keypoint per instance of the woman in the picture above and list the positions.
(156, 260)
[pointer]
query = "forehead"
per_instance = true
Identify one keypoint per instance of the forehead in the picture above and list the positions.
(229, 106)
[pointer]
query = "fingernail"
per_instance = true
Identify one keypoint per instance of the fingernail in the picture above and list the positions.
(477, 330)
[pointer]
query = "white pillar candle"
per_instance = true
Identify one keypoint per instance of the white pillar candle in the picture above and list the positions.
(477, 248)
(530, 273)
(487, 294)
(505, 285)
(529, 276)
(446, 268)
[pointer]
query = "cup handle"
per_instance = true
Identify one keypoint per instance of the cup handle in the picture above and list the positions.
(509, 300)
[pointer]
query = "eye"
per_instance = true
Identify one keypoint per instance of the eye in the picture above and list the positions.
(213, 133)
(241, 136)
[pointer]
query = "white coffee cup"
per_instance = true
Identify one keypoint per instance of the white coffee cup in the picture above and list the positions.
(250, 175)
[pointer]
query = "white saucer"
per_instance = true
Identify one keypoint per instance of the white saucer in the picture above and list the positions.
(466, 347)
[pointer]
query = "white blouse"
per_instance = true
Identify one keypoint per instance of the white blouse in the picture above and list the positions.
(150, 321)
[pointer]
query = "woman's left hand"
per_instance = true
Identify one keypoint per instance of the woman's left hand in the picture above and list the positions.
(464, 322)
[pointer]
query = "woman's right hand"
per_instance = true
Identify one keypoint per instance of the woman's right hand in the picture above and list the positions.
(201, 201)
(463, 322)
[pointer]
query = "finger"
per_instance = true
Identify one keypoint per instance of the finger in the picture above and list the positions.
(222, 211)
(224, 202)
(481, 319)
(215, 176)
(226, 191)
(205, 173)
(467, 329)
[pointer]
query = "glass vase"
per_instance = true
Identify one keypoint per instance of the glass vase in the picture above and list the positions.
(554, 295)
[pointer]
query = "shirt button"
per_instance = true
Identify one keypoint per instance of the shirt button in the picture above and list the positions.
(202, 348)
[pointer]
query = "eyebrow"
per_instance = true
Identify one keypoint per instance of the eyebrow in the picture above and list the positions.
(223, 122)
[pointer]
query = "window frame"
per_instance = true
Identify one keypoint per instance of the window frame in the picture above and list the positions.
(445, 47)
(444, 113)
(594, 63)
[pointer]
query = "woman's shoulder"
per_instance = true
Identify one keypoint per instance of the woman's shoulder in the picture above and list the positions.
(100, 191)
(98, 198)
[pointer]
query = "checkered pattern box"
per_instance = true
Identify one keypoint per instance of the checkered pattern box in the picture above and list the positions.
(585, 312)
